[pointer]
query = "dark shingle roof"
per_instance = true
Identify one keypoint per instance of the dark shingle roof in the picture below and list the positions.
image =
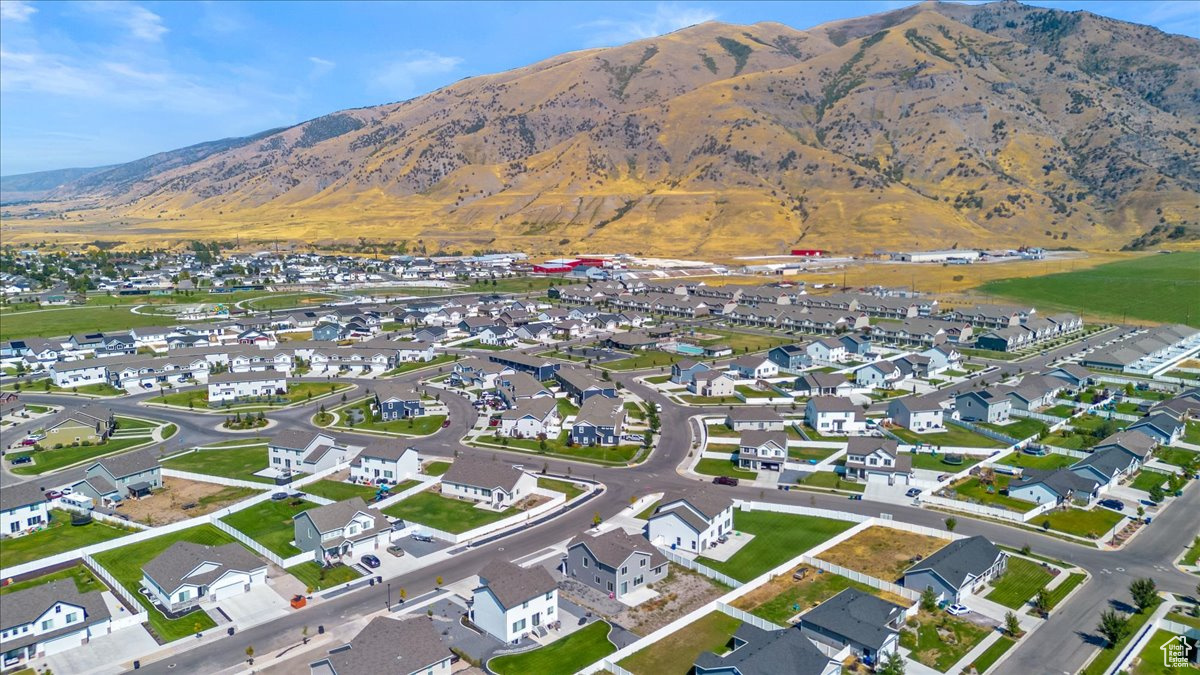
(513, 584)
(615, 546)
(708, 503)
(958, 559)
(389, 449)
(765, 652)
(389, 645)
(22, 607)
(129, 463)
(170, 569)
(334, 516)
(485, 474)
(855, 615)
(20, 494)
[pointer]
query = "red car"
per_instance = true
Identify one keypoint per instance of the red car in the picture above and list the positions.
(51, 494)
(445, 424)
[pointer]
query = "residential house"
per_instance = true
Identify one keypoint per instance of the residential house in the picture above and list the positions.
(1058, 486)
(754, 651)
(833, 416)
(959, 569)
(540, 368)
(496, 484)
(990, 405)
(1076, 376)
(187, 574)
(1108, 465)
(684, 370)
(231, 387)
(1160, 426)
(86, 424)
(385, 462)
(712, 384)
(827, 350)
(519, 387)
(530, 418)
(600, 421)
(71, 374)
(819, 383)
(856, 344)
(790, 358)
(512, 601)
(49, 619)
(753, 368)
(867, 625)
(404, 646)
(1134, 442)
(131, 474)
(942, 357)
(877, 459)
(691, 521)
(919, 414)
(879, 375)
(22, 509)
(340, 532)
(762, 450)
(397, 401)
(305, 451)
(614, 562)
(475, 372)
(581, 385)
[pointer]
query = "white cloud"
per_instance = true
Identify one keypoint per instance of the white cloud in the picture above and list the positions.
(16, 10)
(139, 22)
(320, 66)
(401, 77)
(665, 18)
(1172, 17)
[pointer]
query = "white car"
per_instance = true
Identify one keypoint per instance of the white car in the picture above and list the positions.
(958, 610)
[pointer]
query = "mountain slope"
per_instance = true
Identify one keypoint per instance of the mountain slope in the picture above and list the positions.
(933, 125)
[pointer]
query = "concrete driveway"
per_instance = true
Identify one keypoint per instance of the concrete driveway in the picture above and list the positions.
(104, 654)
(257, 606)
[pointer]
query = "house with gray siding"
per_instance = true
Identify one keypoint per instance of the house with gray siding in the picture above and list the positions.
(683, 371)
(1060, 486)
(614, 562)
(121, 476)
(341, 531)
(754, 651)
(958, 569)
(867, 625)
(988, 405)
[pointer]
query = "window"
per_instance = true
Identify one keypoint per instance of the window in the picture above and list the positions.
(47, 624)
(586, 563)
(518, 625)
(550, 610)
(71, 617)
(643, 562)
(550, 595)
(624, 570)
(58, 609)
(525, 605)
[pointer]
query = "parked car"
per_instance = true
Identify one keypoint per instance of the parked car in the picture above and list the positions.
(417, 536)
(21, 459)
(637, 438)
(51, 494)
(725, 480)
(912, 492)
(957, 610)
(445, 423)
(1114, 504)
(370, 561)
(29, 441)
(396, 551)
(279, 496)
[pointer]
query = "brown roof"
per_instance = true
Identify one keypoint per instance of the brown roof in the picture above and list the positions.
(171, 568)
(709, 503)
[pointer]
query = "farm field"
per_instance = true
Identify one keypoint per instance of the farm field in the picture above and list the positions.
(1117, 289)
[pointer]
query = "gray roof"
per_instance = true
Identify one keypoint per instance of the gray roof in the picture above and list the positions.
(129, 463)
(16, 495)
(1060, 481)
(710, 504)
(601, 411)
(1107, 461)
(757, 439)
(334, 516)
(22, 607)
(174, 567)
(746, 414)
(389, 449)
(615, 546)
(959, 559)
(821, 380)
(763, 652)
(251, 376)
(1134, 441)
(856, 616)
(580, 379)
(294, 439)
(513, 584)
(538, 408)
(389, 645)
(483, 473)
(400, 391)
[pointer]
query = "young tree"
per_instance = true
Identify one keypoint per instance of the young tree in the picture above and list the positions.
(928, 599)
(1113, 626)
(1157, 494)
(892, 665)
(250, 654)
(1144, 592)
(951, 523)
(1041, 602)
(1012, 625)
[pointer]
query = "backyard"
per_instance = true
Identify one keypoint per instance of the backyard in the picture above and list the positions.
(84, 580)
(270, 524)
(939, 641)
(443, 513)
(883, 552)
(1022, 579)
(1049, 461)
(564, 656)
(778, 537)
(58, 537)
(674, 654)
(1019, 428)
(239, 463)
(931, 462)
(338, 490)
(973, 491)
(783, 597)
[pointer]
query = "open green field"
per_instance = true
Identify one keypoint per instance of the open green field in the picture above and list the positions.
(270, 523)
(564, 656)
(604, 454)
(54, 322)
(289, 301)
(1092, 523)
(1044, 462)
(675, 654)
(1020, 582)
(571, 490)
(778, 537)
(60, 536)
(953, 436)
(239, 463)
(1117, 289)
(319, 578)
(449, 515)
(125, 564)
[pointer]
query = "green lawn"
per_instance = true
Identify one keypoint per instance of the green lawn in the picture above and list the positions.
(125, 564)
(992, 654)
(565, 408)
(1147, 479)
(340, 491)
(571, 490)
(44, 386)
(1191, 433)
(289, 301)
(927, 645)
(778, 537)
(605, 454)
(84, 580)
(674, 654)
(270, 523)
(649, 510)
(719, 430)
(1060, 410)
(722, 467)
(743, 343)
(413, 426)
(1193, 553)
(409, 366)
(647, 359)
(1117, 289)
(1059, 592)
(1019, 428)
(658, 379)
(319, 578)
(443, 513)
(1044, 462)
(239, 463)
(1177, 456)
(973, 491)
(805, 454)
(1150, 659)
(930, 462)
(564, 656)
(1071, 440)
(1020, 582)
(52, 460)
(436, 468)
(297, 391)
(829, 479)
(953, 436)
(1091, 524)
(798, 597)
(56, 322)
(1104, 659)
(127, 423)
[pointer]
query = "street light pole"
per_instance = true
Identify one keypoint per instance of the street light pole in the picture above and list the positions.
(389, 600)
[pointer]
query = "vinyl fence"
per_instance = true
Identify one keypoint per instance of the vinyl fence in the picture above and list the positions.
(698, 568)
(862, 578)
(994, 435)
(253, 545)
(117, 589)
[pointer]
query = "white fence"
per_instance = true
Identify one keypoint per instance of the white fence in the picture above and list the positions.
(117, 589)
(978, 509)
(801, 510)
(984, 431)
(747, 617)
(862, 578)
(426, 483)
(219, 480)
(1041, 417)
(698, 568)
(453, 538)
(102, 517)
(253, 545)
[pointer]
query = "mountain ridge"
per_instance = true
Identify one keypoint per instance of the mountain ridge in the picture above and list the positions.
(936, 124)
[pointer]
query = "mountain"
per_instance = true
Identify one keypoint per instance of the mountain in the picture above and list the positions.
(935, 125)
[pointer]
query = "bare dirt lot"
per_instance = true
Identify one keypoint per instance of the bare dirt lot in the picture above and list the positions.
(681, 592)
(167, 505)
(882, 552)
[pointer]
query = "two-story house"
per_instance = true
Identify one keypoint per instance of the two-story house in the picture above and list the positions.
(187, 574)
(600, 421)
(870, 459)
(22, 509)
(496, 484)
(396, 401)
(752, 367)
(340, 532)
(132, 474)
(878, 375)
(49, 618)
(833, 416)
(712, 384)
(827, 350)
(581, 385)
(790, 358)
(762, 450)
(305, 451)
(683, 371)
(614, 562)
(916, 414)
(230, 387)
(987, 405)
(690, 521)
(512, 601)
(530, 418)
(385, 462)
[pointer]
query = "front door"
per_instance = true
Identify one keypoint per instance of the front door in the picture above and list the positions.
(624, 587)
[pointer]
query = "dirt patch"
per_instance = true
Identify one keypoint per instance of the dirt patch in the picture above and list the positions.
(883, 552)
(167, 505)
(809, 591)
(681, 592)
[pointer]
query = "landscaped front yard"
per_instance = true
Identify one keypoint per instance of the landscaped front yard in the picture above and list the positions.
(1020, 582)
(832, 481)
(51, 460)
(971, 490)
(270, 523)
(940, 640)
(1093, 523)
(239, 463)
(675, 654)
(778, 537)
(722, 467)
(571, 490)
(564, 656)
(1148, 479)
(443, 513)
(883, 552)
(953, 437)
(58, 537)
(320, 578)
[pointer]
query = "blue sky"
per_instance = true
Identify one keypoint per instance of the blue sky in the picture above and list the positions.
(93, 83)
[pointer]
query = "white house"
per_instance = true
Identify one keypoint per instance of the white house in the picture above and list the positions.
(341, 532)
(48, 619)
(494, 483)
(305, 451)
(833, 415)
(712, 384)
(753, 367)
(916, 414)
(224, 387)
(67, 374)
(511, 601)
(22, 509)
(879, 375)
(690, 521)
(186, 574)
(871, 459)
(828, 350)
(762, 450)
(753, 419)
(385, 462)
(530, 418)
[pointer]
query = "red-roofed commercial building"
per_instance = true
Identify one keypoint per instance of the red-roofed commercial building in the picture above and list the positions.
(557, 266)
(809, 252)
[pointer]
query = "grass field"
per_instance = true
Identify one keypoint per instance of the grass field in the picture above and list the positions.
(1046, 462)
(1091, 524)
(289, 300)
(1117, 289)
(55, 322)
(436, 468)
(1020, 582)
(938, 462)
(319, 578)
(270, 523)
(829, 479)
(1177, 456)
(564, 656)
(60, 536)
(953, 436)
(721, 467)
(973, 491)
(409, 366)
(1147, 479)
(1020, 428)
(239, 463)
(992, 654)
(674, 654)
(442, 513)
(341, 491)
(778, 537)
(571, 490)
(51, 460)
(1059, 592)
(607, 454)
(125, 564)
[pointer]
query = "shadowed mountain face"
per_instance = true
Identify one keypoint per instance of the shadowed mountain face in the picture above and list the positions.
(934, 125)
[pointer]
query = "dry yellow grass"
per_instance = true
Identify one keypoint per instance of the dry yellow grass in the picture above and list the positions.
(882, 552)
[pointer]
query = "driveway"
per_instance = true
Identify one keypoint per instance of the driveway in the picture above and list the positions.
(110, 653)
(257, 606)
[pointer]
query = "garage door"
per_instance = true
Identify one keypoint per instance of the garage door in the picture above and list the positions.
(234, 585)
(62, 644)
(877, 478)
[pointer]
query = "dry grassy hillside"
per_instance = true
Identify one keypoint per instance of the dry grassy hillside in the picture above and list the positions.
(933, 125)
